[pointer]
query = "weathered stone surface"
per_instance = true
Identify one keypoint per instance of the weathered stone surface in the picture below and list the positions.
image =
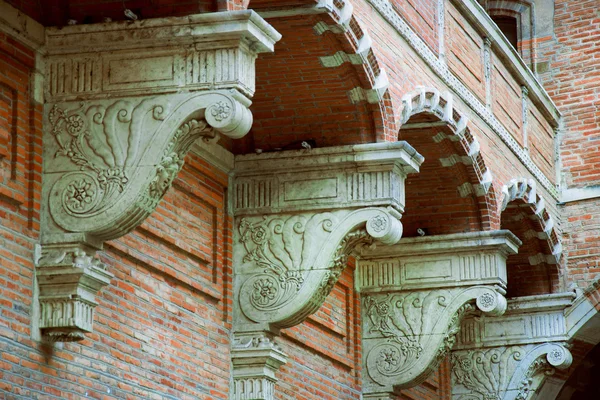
(124, 104)
(508, 357)
(414, 296)
(255, 359)
(299, 214)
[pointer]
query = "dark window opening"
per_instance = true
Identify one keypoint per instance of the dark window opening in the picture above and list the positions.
(508, 26)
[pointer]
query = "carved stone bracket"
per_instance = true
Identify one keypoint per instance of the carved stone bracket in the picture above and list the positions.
(124, 104)
(299, 215)
(508, 357)
(414, 296)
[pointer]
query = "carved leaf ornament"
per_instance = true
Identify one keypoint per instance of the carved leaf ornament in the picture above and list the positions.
(507, 373)
(407, 334)
(297, 259)
(129, 151)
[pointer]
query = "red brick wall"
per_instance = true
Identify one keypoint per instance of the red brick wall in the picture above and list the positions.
(464, 51)
(507, 100)
(571, 74)
(422, 17)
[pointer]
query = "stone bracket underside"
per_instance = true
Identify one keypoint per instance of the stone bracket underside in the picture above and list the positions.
(124, 104)
(414, 296)
(508, 357)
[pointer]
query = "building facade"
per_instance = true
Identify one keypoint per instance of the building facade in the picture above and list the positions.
(303, 199)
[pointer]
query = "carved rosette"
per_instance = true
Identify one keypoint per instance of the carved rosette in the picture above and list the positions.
(68, 281)
(406, 334)
(505, 373)
(291, 262)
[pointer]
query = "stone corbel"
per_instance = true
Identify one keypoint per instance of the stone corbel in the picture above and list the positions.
(414, 296)
(508, 357)
(299, 214)
(124, 102)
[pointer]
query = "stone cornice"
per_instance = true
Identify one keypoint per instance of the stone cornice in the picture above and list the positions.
(460, 242)
(19, 25)
(206, 31)
(528, 320)
(400, 153)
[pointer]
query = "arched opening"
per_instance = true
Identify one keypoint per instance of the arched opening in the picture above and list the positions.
(452, 193)
(509, 27)
(443, 197)
(534, 270)
(312, 89)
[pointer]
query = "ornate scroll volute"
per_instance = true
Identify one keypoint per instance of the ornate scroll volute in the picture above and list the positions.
(108, 163)
(299, 214)
(485, 367)
(414, 296)
(124, 104)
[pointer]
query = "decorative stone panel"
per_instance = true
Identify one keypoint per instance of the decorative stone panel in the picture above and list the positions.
(125, 101)
(507, 357)
(414, 296)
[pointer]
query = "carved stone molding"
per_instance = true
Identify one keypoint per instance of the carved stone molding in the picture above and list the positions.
(299, 214)
(255, 359)
(414, 296)
(125, 101)
(68, 280)
(508, 357)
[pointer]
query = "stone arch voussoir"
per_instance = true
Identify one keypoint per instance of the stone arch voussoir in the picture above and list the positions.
(525, 190)
(371, 72)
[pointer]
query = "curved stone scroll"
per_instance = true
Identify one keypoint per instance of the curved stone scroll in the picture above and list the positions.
(291, 262)
(407, 334)
(505, 373)
(108, 163)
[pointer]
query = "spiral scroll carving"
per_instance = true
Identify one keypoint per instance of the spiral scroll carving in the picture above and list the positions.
(294, 258)
(121, 157)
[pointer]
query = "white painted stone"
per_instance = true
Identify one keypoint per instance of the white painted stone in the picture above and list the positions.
(299, 214)
(255, 359)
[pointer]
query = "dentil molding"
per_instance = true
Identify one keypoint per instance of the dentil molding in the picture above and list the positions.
(124, 102)
(414, 296)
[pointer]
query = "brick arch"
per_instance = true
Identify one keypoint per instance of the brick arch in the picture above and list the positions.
(535, 269)
(525, 190)
(323, 82)
(357, 49)
(479, 181)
